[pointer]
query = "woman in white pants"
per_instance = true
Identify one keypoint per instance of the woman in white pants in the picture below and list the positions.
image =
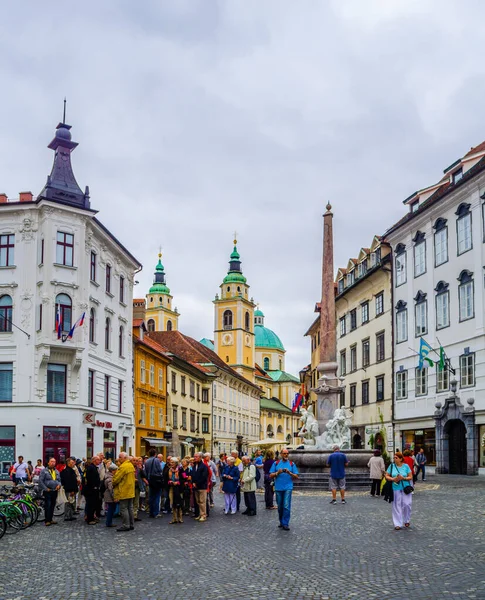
(400, 475)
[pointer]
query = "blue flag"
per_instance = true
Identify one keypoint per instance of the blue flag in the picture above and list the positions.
(424, 350)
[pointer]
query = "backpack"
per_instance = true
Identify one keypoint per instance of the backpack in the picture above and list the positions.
(258, 474)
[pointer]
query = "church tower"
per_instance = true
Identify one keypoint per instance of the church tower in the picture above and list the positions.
(160, 315)
(234, 320)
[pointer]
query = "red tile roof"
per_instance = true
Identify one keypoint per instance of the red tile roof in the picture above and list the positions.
(261, 373)
(146, 341)
(475, 150)
(137, 322)
(194, 352)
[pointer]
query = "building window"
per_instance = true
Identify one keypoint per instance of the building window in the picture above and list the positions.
(56, 384)
(464, 228)
(442, 305)
(184, 418)
(197, 387)
(174, 382)
(122, 289)
(420, 314)
(182, 385)
(6, 309)
(42, 251)
(340, 286)
(64, 312)
(7, 250)
(92, 327)
(152, 375)
(160, 379)
(421, 382)
(353, 359)
(343, 363)
(353, 395)
(142, 413)
(120, 396)
(142, 372)
(120, 340)
(342, 326)
(401, 322)
(380, 346)
(247, 321)
(107, 331)
(266, 363)
(350, 278)
(107, 391)
(466, 296)
(205, 424)
(227, 320)
(108, 279)
(457, 175)
(192, 389)
(151, 325)
(91, 377)
(365, 392)
(380, 388)
(440, 242)
(467, 370)
(6, 382)
(400, 262)
(365, 353)
(379, 304)
(169, 325)
(419, 254)
(442, 379)
(365, 312)
(160, 418)
(205, 395)
(152, 416)
(65, 249)
(192, 421)
(401, 385)
(92, 269)
(353, 319)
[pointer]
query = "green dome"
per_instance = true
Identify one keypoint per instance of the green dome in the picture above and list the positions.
(258, 313)
(159, 286)
(233, 277)
(265, 338)
(235, 254)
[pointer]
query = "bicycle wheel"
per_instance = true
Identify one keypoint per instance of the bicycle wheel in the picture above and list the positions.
(27, 513)
(3, 526)
(40, 507)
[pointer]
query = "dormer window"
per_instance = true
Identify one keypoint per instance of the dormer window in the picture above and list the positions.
(414, 206)
(457, 175)
(350, 278)
(340, 286)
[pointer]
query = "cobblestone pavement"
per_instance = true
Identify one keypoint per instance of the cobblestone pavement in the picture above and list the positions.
(332, 552)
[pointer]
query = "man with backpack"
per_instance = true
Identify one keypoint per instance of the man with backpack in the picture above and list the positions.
(283, 472)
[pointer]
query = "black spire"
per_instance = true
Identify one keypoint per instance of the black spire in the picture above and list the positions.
(61, 185)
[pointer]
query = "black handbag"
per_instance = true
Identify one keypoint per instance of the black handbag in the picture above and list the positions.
(407, 489)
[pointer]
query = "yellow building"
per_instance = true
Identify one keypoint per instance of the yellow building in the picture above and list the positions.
(278, 423)
(160, 313)
(234, 320)
(150, 391)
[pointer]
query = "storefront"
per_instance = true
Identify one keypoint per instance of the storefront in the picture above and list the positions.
(7, 449)
(481, 446)
(415, 439)
(109, 444)
(56, 443)
(89, 442)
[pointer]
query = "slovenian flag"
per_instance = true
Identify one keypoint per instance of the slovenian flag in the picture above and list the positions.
(297, 402)
(78, 323)
(58, 322)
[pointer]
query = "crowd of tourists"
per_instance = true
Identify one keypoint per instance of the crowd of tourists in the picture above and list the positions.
(100, 487)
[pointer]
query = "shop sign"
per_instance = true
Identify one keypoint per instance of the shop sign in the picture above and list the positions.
(90, 419)
(419, 432)
(390, 446)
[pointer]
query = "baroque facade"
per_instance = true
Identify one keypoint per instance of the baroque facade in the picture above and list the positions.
(63, 391)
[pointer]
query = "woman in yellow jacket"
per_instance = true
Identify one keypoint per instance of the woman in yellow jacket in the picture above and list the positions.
(124, 491)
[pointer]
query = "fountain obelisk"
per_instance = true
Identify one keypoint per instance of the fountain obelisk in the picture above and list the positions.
(329, 388)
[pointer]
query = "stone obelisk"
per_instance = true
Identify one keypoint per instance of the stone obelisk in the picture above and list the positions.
(329, 387)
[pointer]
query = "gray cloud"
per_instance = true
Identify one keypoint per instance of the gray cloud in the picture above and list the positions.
(196, 118)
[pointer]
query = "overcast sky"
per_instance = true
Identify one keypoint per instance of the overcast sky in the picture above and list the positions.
(196, 118)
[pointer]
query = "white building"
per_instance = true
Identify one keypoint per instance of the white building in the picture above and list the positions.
(72, 397)
(438, 295)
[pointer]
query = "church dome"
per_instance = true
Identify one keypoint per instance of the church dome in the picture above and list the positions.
(159, 286)
(265, 338)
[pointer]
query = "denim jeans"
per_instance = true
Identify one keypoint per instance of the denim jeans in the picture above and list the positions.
(110, 512)
(154, 500)
(50, 499)
(283, 500)
(421, 468)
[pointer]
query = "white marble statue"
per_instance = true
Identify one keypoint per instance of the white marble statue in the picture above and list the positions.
(309, 430)
(337, 432)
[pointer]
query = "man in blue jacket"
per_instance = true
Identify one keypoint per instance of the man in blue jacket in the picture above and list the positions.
(154, 473)
(283, 472)
(200, 481)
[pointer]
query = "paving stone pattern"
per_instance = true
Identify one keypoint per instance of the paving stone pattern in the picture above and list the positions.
(332, 552)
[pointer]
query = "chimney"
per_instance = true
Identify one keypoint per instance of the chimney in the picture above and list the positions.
(3, 198)
(26, 196)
